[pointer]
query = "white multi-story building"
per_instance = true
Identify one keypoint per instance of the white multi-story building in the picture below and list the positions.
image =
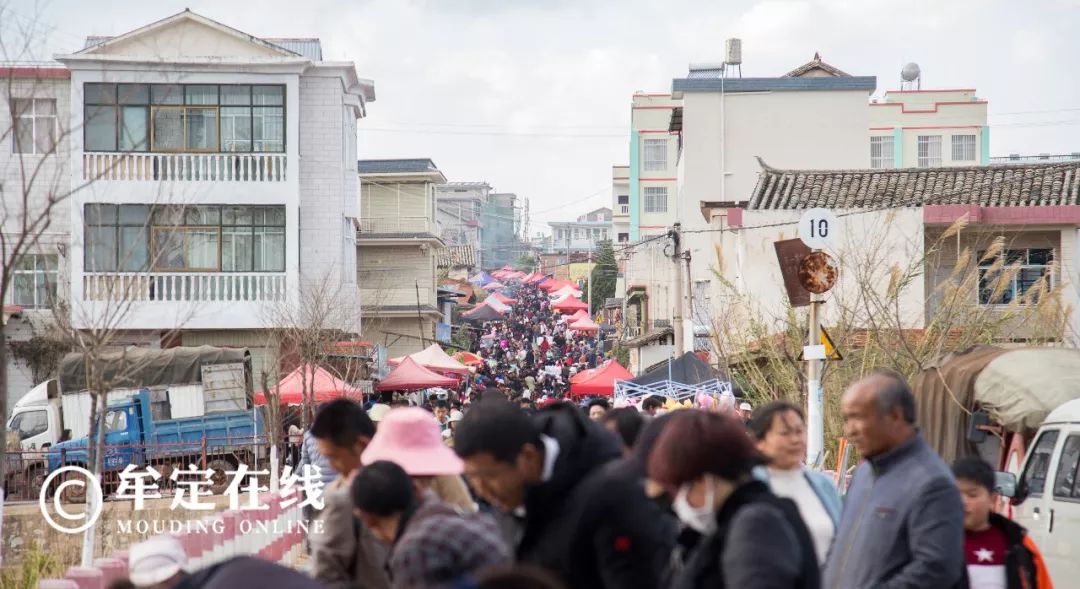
(213, 180)
(581, 235)
(928, 129)
(620, 203)
(460, 207)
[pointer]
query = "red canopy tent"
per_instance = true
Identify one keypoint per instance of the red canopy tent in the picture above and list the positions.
(504, 299)
(410, 376)
(600, 381)
(494, 286)
(585, 324)
(577, 315)
(569, 305)
(322, 385)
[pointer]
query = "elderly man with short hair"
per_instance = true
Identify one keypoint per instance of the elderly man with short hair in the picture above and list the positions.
(903, 521)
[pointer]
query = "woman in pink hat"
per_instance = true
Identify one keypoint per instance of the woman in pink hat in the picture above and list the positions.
(410, 437)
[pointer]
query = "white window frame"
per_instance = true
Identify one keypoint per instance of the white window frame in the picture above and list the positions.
(1014, 291)
(882, 150)
(929, 150)
(964, 148)
(652, 196)
(654, 155)
(39, 123)
(43, 299)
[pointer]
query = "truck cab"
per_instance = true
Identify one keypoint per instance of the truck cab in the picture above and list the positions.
(36, 417)
(1047, 501)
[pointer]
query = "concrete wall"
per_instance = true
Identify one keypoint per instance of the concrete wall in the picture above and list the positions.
(327, 189)
(871, 244)
(384, 330)
(388, 275)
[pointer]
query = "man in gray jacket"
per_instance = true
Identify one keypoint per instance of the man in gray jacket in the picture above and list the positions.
(903, 522)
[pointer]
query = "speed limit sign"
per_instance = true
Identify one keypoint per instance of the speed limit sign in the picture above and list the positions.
(818, 228)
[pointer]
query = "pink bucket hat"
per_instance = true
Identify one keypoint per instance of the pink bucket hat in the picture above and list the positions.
(410, 437)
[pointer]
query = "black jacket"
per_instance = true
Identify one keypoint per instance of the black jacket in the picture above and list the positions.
(246, 571)
(1020, 568)
(589, 523)
(760, 542)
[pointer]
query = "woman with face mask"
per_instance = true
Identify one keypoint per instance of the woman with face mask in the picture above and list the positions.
(751, 538)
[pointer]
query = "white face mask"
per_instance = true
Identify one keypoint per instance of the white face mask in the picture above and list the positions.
(700, 519)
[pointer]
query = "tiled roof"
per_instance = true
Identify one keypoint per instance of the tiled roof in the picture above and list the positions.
(453, 256)
(415, 166)
(816, 64)
(868, 83)
(989, 186)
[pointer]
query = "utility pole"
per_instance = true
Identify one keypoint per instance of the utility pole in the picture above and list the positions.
(589, 294)
(677, 320)
(814, 402)
(688, 333)
(419, 317)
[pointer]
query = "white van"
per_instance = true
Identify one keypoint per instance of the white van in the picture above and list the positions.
(1047, 500)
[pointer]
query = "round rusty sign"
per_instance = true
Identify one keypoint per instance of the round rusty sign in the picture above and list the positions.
(818, 272)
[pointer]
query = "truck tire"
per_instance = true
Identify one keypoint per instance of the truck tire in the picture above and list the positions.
(220, 466)
(71, 493)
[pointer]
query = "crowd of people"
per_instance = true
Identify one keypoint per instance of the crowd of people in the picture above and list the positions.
(504, 484)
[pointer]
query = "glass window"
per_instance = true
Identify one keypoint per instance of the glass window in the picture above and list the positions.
(1022, 269)
(202, 132)
(99, 93)
(655, 155)
(268, 95)
(168, 129)
(1065, 483)
(100, 249)
(963, 148)
(116, 421)
(99, 129)
(881, 152)
(929, 151)
(624, 199)
(656, 199)
(35, 125)
(201, 94)
(240, 95)
(185, 248)
(269, 248)
(237, 245)
(236, 129)
(268, 129)
(133, 94)
(30, 424)
(134, 128)
(1038, 464)
(34, 280)
(167, 94)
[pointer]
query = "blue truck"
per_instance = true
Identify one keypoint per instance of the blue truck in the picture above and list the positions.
(219, 442)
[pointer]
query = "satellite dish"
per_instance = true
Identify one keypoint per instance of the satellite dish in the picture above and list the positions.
(910, 72)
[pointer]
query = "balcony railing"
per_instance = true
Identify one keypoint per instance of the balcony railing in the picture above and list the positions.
(184, 287)
(624, 209)
(185, 167)
(384, 225)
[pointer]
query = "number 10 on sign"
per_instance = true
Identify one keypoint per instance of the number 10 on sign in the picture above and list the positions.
(818, 228)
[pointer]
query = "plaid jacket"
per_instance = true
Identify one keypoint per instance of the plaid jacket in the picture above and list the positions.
(440, 546)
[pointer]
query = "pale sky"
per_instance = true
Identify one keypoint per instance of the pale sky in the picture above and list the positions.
(533, 96)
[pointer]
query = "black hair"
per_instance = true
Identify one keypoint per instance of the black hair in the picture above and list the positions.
(495, 426)
(761, 420)
(440, 404)
(382, 488)
(653, 401)
(341, 422)
(628, 423)
(975, 470)
(648, 435)
(601, 402)
(896, 393)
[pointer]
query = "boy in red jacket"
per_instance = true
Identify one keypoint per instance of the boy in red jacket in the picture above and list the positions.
(999, 552)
